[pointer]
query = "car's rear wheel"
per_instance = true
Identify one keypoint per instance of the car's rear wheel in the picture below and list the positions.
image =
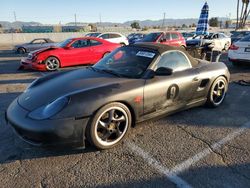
(52, 63)
(217, 92)
(21, 50)
(184, 48)
(109, 125)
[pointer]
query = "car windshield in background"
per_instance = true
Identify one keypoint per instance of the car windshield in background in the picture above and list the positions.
(208, 36)
(127, 62)
(92, 34)
(64, 43)
(152, 37)
(245, 39)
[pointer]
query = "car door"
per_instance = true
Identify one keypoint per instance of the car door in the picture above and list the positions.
(115, 38)
(175, 39)
(79, 52)
(36, 44)
(165, 38)
(97, 50)
(172, 92)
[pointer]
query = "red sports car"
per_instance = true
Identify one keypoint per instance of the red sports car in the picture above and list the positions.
(171, 38)
(74, 51)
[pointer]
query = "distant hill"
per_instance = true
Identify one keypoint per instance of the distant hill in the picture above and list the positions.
(143, 23)
(18, 24)
(167, 22)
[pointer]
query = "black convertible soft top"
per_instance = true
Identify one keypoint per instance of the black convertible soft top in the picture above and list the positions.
(161, 48)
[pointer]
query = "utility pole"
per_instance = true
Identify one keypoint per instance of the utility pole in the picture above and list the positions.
(100, 19)
(14, 13)
(75, 19)
(163, 21)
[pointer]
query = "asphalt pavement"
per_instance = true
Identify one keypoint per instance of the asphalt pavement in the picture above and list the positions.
(200, 147)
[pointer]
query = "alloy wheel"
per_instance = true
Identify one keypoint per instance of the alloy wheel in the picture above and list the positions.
(111, 126)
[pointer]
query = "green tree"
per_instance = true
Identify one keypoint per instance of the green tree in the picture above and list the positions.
(135, 25)
(214, 22)
(244, 13)
(184, 26)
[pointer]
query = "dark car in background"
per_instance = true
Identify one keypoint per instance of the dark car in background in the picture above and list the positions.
(35, 44)
(135, 37)
(171, 38)
(237, 35)
(188, 35)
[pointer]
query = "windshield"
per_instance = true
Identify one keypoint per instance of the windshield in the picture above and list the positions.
(64, 43)
(245, 39)
(127, 61)
(92, 34)
(208, 36)
(152, 37)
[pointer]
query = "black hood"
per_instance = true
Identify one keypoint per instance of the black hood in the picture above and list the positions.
(47, 89)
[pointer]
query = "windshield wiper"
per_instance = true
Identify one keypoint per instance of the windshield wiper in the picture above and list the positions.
(111, 72)
(94, 69)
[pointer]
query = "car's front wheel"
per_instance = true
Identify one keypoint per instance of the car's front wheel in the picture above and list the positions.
(109, 125)
(21, 50)
(217, 92)
(52, 63)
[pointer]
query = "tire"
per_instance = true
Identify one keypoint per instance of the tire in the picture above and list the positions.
(109, 126)
(184, 48)
(105, 54)
(217, 92)
(21, 50)
(52, 63)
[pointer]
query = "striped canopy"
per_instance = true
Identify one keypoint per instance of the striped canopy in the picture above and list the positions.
(202, 27)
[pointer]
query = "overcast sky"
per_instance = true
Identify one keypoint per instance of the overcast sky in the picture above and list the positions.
(55, 11)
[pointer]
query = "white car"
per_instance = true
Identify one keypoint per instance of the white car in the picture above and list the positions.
(240, 51)
(217, 41)
(114, 37)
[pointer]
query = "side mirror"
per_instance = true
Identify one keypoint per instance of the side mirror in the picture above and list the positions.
(163, 40)
(68, 47)
(164, 71)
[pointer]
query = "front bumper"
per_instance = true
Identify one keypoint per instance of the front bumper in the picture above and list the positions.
(29, 64)
(47, 132)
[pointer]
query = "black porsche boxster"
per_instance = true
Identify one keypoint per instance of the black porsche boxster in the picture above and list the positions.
(99, 104)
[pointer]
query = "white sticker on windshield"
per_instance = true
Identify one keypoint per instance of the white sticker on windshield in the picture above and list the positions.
(145, 54)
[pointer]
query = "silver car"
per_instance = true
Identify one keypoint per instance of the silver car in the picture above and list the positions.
(34, 45)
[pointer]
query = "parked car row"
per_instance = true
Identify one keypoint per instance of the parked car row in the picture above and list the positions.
(86, 50)
(75, 51)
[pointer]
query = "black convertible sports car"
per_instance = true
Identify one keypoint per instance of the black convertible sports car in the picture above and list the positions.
(100, 103)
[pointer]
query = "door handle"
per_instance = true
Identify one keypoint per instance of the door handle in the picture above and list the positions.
(195, 79)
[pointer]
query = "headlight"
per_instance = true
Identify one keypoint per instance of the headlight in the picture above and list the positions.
(49, 110)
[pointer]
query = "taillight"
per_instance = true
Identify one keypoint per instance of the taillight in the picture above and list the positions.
(234, 47)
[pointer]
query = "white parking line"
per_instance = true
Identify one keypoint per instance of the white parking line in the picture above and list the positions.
(153, 162)
(172, 174)
(42, 73)
(191, 161)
